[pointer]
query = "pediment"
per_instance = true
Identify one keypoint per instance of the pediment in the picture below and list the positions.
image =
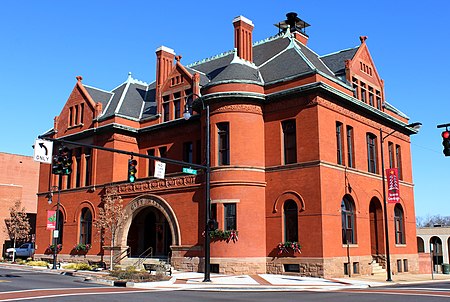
(364, 67)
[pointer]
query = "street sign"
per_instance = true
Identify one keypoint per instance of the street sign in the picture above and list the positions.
(189, 171)
(43, 151)
(160, 169)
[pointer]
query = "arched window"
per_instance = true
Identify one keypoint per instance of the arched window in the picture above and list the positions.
(348, 220)
(85, 226)
(290, 221)
(399, 225)
(420, 245)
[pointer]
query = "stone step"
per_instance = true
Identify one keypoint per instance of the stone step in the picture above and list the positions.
(377, 268)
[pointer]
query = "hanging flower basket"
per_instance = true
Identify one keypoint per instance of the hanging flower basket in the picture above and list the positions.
(82, 248)
(51, 249)
(228, 235)
(288, 247)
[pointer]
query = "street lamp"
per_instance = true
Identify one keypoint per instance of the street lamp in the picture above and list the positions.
(56, 230)
(187, 115)
(416, 127)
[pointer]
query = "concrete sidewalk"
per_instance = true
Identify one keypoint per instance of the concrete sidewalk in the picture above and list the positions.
(260, 282)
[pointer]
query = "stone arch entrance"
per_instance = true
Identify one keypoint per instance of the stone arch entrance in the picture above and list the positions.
(151, 222)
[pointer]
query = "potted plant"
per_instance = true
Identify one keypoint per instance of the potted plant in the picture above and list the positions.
(226, 235)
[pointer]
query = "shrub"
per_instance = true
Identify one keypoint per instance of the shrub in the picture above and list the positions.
(78, 266)
(37, 263)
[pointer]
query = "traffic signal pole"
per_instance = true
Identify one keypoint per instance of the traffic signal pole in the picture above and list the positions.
(162, 159)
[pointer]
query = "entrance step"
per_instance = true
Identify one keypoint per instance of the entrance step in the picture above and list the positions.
(134, 261)
(377, 269)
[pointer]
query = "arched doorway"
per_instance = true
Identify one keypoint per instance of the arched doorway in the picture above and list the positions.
(436, 252)
(376, 227)
(149, 232)
(151, 223)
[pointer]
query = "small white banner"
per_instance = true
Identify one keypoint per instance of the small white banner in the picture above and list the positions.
(160, 169)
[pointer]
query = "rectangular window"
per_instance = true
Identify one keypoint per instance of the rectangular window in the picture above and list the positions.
(81, 112)
(213, 214)
(77, 167)
(355, 87)
(363, 92)
(223, 131)
(166, 112)
(176, 108)
(230, 216)
(399, 265)
(391, 154)
(88, 167)
(355, 267)
(378, 96)
(76, 115)
(372, 153)
(347, 269)
(398, 157)
(163, 151)
(405, 265)
(70, 116)
(187, 152)
(151, 163)
(198, 152)
(290, 142)
(339, 146)
(350, 152)
(371, 96)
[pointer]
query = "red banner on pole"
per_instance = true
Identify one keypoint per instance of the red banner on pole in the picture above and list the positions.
(393, 185)
(51, 220)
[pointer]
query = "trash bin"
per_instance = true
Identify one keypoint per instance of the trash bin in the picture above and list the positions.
(446, 268)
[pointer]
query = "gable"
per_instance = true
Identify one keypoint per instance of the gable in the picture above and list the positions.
(363, 66)
(179, 79)
(77, 113)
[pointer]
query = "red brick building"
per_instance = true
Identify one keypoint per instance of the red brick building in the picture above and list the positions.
(19, 177)
(295, 157)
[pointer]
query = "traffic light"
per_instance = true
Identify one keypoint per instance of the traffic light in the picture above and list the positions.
(132, 163)
(212, 225)
(446, 142)
(66, 161)
(57, 167)
(62, 162)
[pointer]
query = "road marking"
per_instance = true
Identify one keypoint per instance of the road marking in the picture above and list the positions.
(5, 281)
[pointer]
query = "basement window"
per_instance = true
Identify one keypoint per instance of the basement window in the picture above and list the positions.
(291, 268)
(214, 268)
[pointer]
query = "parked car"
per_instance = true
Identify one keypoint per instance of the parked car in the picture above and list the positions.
(24, 251)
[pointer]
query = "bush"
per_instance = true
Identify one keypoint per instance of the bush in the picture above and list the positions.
(37, 263)
(131, 274)
(78, 266)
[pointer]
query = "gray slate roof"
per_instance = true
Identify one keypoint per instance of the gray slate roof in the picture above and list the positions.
(277, 58)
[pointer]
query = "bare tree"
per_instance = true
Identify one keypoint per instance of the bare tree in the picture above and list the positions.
(110, 219)
(434, 220)
(17, 226)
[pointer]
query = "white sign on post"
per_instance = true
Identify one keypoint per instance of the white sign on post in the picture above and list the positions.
(43, 151)
(160, 169)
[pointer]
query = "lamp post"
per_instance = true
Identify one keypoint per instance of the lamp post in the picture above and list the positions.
(56, 230)
(207, 169)
(415, 126)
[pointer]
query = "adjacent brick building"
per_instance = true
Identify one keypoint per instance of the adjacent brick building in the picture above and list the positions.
(295, 156)
(19, 177)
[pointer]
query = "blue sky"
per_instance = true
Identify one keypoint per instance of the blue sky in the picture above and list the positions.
(46, 44)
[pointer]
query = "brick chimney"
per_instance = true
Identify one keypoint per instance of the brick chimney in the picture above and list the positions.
(164, 64)
(243, 28)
